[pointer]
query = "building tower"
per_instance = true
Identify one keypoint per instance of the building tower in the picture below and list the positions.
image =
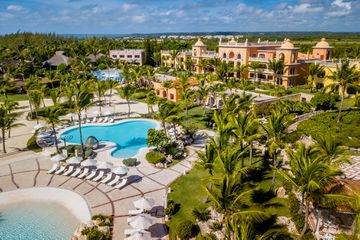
(198, 49)
(322, 50)
(289, 55)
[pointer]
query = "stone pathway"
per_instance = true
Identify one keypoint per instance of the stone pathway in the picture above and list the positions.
(144, 180)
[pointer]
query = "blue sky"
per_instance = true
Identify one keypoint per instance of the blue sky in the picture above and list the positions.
(149, 16)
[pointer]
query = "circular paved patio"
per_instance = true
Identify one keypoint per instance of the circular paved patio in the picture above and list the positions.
(144, 180)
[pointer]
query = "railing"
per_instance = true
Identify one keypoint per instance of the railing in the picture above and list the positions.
(258, 59)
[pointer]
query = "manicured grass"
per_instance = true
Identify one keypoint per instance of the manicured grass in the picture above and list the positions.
(197, 119)
(14, 97)
(348, 103)
(347, 131)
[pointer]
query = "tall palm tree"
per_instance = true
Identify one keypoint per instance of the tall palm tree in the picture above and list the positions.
(207, 158)
(100, 89)
(241, 70)
(310, 176)
(315, 70)
(167, 85)
(277, 66)
(8, 118)
(187, 99)
(174, 55)
(111, 85)
(202, 93)
(331, 150)
(344, 76)
(274, 130)
(168, 113)
(126, 92)
(6, 84)
(256, 66)
(151, 100)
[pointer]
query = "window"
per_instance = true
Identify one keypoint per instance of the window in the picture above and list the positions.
(239, 56)
(122, 56)
(113, 56)
(292, 71)
(231, 55)
(129, 56)
(171, 96)
(281, 56)
(224, 55)
(293, 57)
(137, 56)
(262, 55)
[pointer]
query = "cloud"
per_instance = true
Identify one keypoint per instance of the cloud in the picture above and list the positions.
(15, 8)
(307, 8)
(139, 18)
(342, 4)
(128, 6)
(340, 9)
(243, 8)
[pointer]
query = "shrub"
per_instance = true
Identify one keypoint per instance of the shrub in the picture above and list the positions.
(156, 138)
(93, 233)
(155, 157)
(297, 217)
(172, 208)
(105, 220)
(216, 226)
(32, 145)
(139, 95)
(323, 101)
(186, 230)
(202, 214)
(130, 162)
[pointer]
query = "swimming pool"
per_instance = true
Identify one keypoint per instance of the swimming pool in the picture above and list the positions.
(36, 221)
(129, 136)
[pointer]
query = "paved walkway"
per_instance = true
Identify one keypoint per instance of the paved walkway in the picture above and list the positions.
(144, 180)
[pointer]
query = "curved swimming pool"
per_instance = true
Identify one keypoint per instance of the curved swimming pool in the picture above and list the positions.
(129, 136)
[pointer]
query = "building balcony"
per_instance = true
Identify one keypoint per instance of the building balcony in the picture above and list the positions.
(256, 59)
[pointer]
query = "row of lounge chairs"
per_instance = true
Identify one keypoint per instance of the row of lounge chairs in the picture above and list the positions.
(100, 120)
(94, 175)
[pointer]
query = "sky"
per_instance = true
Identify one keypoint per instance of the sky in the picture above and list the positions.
(156, 16)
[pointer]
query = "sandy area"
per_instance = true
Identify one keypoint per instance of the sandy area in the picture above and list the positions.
(69, 199)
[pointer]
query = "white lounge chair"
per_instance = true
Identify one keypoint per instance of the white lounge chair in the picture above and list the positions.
(100, 120)
(88, 120)
(98, 177)
(134, 212)
(121, 184)
(106, 119)
(94, 120)
(60, 170)
(91, 175)
(53, 169)
(111, 120)
(84, 173)
(113, 182)
(69, 171)
(107, 178)
(77, 172)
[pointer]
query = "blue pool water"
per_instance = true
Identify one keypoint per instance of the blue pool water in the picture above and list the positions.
(36, 221)
(129, 136)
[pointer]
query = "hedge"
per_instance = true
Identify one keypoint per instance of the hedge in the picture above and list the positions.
(130, 162)
(155, 157)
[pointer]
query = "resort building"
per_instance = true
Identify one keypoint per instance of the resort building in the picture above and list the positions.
(134, 56)
(58, 59)
(168, 87)
(262, 52)
(177, 59)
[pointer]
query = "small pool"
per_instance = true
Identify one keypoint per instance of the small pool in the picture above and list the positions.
(36, 221)
(129, 136)
(108, 74)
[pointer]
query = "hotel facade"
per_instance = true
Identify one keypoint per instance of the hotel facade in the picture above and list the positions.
(134, 56)
(296, 64)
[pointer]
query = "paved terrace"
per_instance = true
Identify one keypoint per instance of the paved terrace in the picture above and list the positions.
(29, 170)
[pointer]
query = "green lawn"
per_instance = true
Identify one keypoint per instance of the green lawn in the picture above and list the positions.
(188, 191)
(14, 97)
(347, 131)
(348, 103)
(197, 119)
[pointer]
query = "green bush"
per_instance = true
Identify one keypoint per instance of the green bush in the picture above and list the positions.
(93, 233)
(323, 101)
(216, 226)
(186, 230)
(172, 208)
(105, 220)
(130, 162)
(297, 217)
(202, 214)
(139, 95)
(32, 145)
(155, 157)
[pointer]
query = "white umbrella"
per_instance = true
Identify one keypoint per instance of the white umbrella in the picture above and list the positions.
(120, 170)
(74, 160)
(89, 163)
(104, 165)
(144, 203)
(38, 126)
(140, 235)
(141, 221)
(58, 158)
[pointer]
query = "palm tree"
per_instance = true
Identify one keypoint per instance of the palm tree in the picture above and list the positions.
(345, 76)
(331, 150)
(315, 70)
(256, 66)
(151, 100)
(157, 58)
(241, 70)
(111, 85)
(8, 118)
(51, 116)
(187, 97)
(310, 176)
(168, 113)
(274, 130)
(174, 55)
(167, 85)
(82, 99)
(202, 92)
(207, 158)
(126, 92)
(100, 89)
(6, 84)
(277, 66)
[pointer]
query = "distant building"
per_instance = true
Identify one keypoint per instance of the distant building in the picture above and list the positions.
(58, 59)
(135, 56)
(94, 57)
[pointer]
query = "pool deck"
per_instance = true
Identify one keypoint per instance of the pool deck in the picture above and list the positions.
(28, 170)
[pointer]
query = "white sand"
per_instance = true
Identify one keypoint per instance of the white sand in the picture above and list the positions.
(70, 200)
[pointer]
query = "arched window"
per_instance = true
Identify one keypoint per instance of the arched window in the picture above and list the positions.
(293, 57)
(281, 56)
(231, 55)
(224, 55)
(239, 56)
